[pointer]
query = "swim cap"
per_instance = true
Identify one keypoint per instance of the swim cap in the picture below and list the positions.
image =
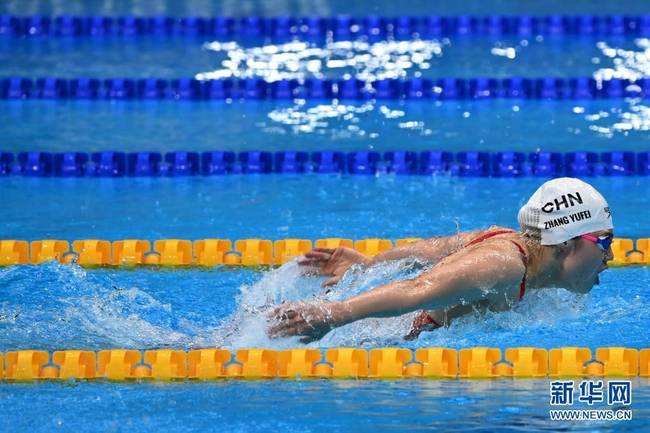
(562, 209)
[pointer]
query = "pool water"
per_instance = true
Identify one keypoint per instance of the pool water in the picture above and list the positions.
(321, 8)
(58, 306)
(53, 307)
(458, 56)
(75, 308)
(490, 125)
(309, 406)
(285, 206)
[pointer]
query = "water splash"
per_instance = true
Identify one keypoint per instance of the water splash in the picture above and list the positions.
(246, 327)
(541, 311)
(55, 306)
(300, 60)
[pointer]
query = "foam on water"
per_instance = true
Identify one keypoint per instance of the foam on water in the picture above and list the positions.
(55, 306)
(540, 313)
(247, 326)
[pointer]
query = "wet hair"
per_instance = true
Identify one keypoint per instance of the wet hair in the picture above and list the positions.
(532, 233)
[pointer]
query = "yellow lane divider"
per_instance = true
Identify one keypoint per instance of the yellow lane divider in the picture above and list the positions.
(381, 363)
(220, 252)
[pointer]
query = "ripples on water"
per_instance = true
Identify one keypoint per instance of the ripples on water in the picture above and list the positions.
(69, 304)
(399, 60)
(628, 64)
(339, 120)
(342, 59)
(299, 60)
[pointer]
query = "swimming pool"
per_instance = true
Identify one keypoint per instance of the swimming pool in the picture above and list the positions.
(54, 306)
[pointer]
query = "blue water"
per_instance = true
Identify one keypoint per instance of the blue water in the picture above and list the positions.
(490, 125)
(324, 8)
(148, 56)
(308, 406)
(284, 206)
(54, 307)
(145, 308)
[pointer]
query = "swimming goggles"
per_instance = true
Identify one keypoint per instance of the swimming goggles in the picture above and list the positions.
(604, 242)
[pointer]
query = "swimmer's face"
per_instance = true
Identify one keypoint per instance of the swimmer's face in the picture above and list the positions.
(584, 262)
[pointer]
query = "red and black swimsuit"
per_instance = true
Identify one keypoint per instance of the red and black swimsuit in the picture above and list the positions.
(425, 319)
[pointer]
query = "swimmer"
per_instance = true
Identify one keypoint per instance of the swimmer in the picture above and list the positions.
(565, 241)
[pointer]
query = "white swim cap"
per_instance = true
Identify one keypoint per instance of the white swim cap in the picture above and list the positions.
(562, 209)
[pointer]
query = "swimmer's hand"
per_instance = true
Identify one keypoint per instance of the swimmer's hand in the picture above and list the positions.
(422, 323)
(332, 262)
(311, 321)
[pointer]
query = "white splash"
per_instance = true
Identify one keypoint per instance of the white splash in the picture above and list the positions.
(246, 327)
(118, 316)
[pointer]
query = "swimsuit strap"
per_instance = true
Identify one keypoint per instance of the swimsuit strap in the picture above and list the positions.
(522, 286)
(484, 236)
(524, 257)
(487, 235)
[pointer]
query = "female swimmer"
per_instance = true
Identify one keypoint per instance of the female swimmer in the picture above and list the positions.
(565, 238)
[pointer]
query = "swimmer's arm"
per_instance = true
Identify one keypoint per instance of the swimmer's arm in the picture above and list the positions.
(429, 250)
(441, 317)
(465, 277)
(444, 316)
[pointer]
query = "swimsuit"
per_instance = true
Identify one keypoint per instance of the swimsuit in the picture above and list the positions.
(524, 257)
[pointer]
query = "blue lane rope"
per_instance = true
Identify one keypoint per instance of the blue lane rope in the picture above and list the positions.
(477, 164)
(313, 88)
(318, 27)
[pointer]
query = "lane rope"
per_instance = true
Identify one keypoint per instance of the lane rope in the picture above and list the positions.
(319, 27)
(188, 89)
(223, 252)
(468, 164)
(334, 363)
